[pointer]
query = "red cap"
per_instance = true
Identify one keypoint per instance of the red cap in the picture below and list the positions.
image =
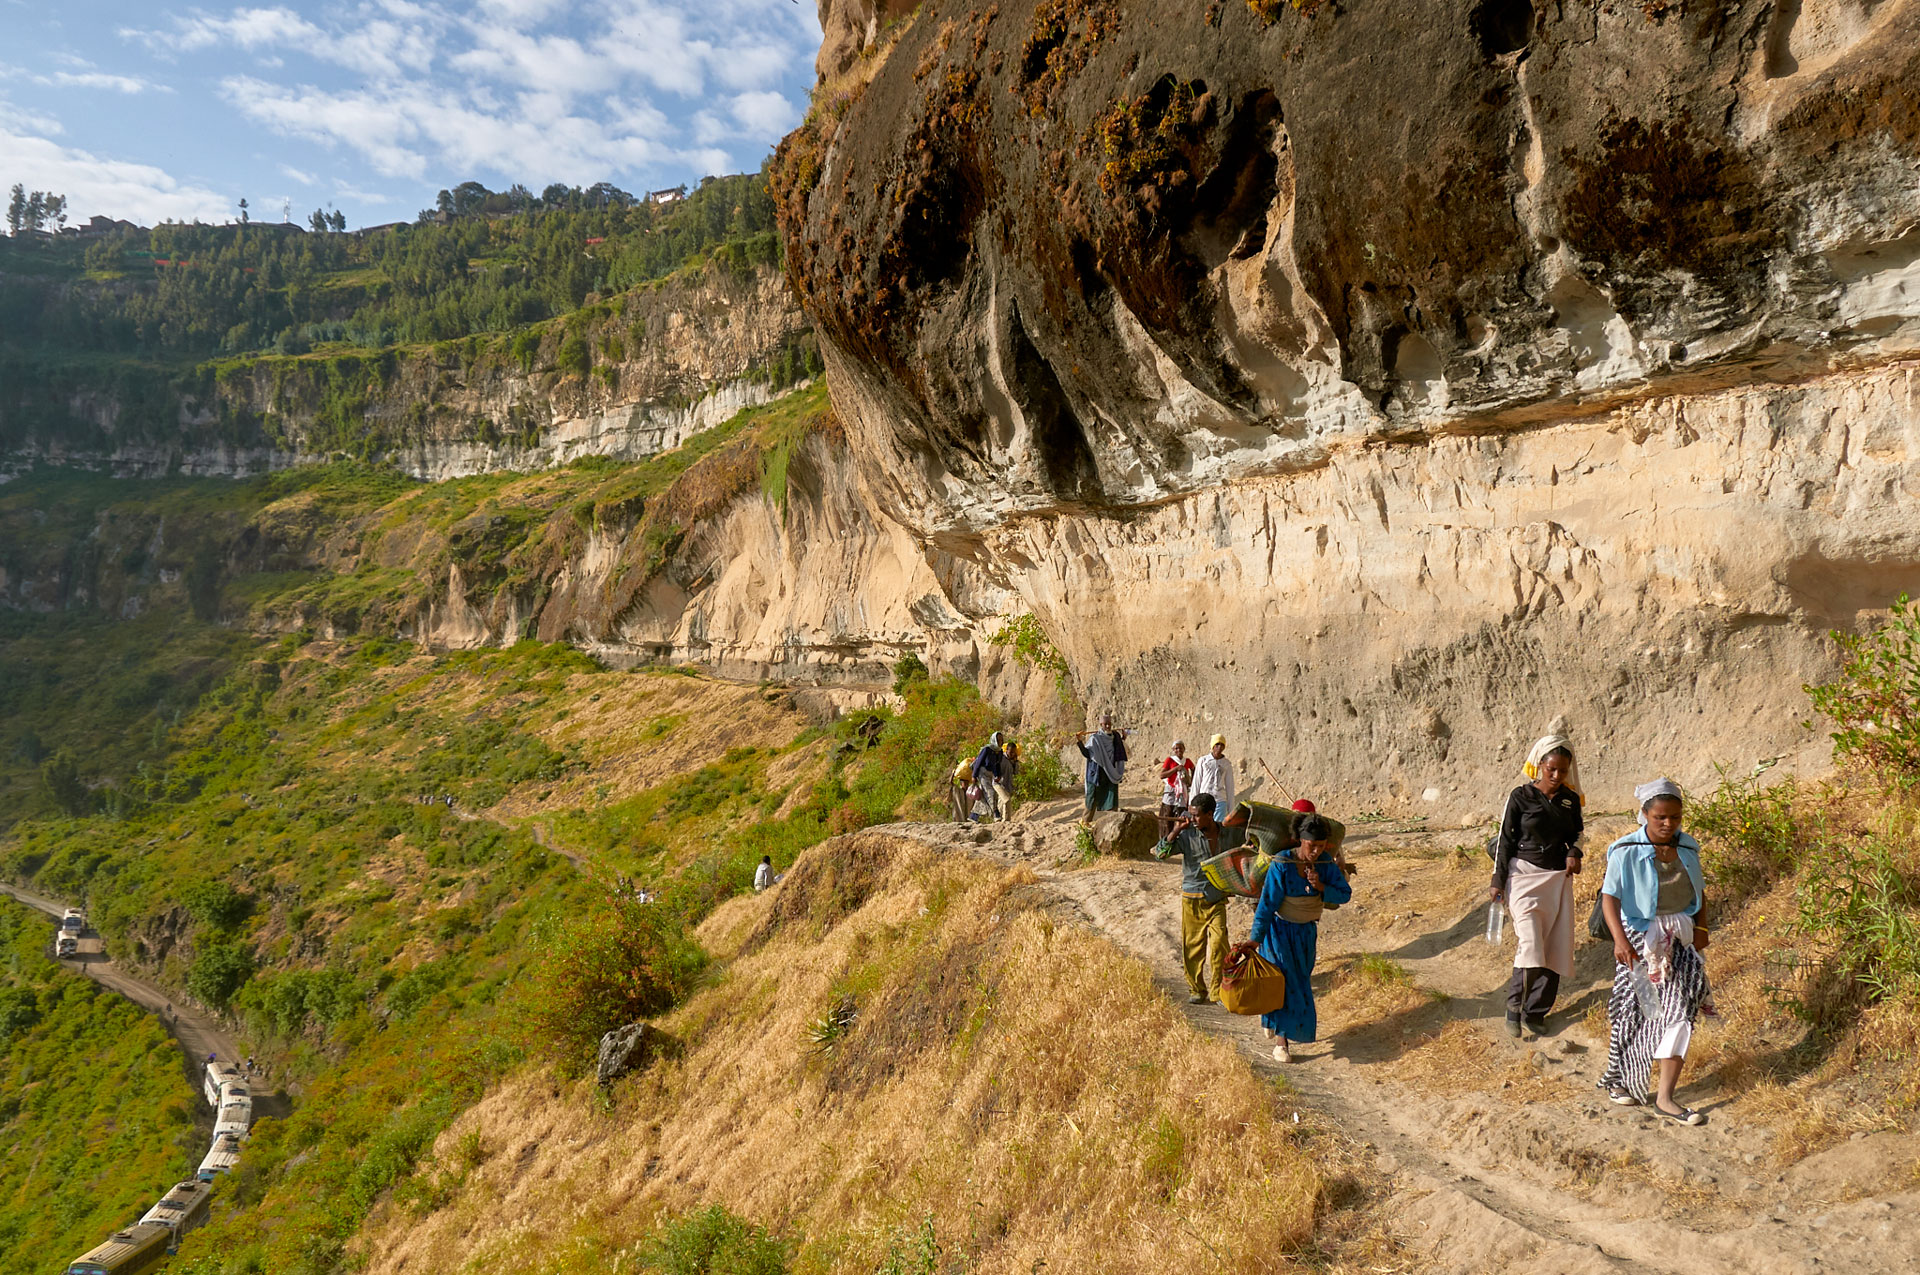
(1304, 806)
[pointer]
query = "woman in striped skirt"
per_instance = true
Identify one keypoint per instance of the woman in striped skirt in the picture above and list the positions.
(1653, 899)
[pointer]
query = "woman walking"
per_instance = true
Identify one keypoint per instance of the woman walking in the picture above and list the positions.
(1653, 899)
(1286, 928)
(1534, 864)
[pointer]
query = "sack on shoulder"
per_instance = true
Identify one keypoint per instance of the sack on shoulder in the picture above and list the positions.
(1252, 984)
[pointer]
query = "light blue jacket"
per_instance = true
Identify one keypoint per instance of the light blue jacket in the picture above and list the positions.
(1633, 878)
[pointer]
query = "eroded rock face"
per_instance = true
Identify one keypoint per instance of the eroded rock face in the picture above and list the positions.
(1072, 255)
(1385, 383)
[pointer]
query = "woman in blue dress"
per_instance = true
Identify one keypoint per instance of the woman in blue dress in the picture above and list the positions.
(1286, 927)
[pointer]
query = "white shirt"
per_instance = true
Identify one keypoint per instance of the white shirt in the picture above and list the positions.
(762, 876)
(1215, 775)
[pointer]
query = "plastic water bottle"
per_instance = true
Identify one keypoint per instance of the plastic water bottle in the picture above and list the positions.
(1496, 921)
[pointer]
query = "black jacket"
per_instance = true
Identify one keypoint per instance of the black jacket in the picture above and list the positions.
(1542, 830)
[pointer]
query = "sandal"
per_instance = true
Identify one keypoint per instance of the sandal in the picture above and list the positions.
(1686, 1115)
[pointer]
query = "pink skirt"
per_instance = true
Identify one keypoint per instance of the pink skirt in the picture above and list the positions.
(1541, 904)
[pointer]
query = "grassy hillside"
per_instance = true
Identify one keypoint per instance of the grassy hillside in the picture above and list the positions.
(901, 1062)
(260, 819)
(125, 600)
(96, 1115)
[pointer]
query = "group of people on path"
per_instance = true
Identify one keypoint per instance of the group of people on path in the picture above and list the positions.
(1651, 905)
(983, 784)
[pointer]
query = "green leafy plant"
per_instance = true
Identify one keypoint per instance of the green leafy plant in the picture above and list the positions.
(827, 1031)
(714, 1241)
(907, 670)
(1874, 704)
(1749, 832)
(616, 963)
(1034, 649)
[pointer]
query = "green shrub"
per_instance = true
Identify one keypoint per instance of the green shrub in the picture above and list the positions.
(714, 1241)
(216, 904)
(217, 973)
(1874, 704)
(1042, 775)
(1862, 902)
(1748, 832)
(907, 670)
(575, 357)
(615, 964)
(60, 781)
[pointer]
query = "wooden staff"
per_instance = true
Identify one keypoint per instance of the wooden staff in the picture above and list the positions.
(1276, 779)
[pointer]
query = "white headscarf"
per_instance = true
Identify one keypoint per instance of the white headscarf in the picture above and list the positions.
(1538, 753)
(1653, 789)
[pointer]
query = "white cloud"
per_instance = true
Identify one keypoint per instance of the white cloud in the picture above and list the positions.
(636, 91)
(116, 188)
(300, 175)
(101, 80)
(764, 113)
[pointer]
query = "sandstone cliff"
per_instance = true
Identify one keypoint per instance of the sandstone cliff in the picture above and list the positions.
(1382, 381)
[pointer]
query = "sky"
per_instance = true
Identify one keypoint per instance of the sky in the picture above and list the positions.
(155, 111)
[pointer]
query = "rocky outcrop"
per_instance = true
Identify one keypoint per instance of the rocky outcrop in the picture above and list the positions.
(1381, 383)
(631, 1048)
(630, 376)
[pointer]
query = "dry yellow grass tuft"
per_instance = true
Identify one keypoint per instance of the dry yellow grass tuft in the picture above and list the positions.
(1014, 1079)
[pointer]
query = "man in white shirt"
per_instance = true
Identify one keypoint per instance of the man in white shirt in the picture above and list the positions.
(1214, 774)
(763, 875)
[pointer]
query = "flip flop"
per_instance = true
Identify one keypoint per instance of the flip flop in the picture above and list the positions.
(1686, 1115)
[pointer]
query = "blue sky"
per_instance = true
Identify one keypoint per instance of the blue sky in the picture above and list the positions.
(160, 111)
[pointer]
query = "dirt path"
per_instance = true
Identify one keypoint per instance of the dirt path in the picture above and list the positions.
(196, 1034)
(1504, 1155)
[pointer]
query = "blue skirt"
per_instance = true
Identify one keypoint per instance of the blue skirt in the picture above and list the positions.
(1293, 948)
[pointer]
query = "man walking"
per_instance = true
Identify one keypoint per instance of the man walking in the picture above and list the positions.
(1106, 753)
(1203, 908)
(1214, 776)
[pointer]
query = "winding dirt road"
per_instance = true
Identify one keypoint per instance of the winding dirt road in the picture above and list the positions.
(196, 1034)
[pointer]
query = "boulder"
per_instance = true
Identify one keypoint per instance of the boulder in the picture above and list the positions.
(630, 1048)
(1125, 834)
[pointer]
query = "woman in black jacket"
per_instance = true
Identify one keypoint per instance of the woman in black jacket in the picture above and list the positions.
(1533, 868)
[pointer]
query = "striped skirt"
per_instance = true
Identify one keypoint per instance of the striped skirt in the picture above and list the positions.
(1638, 1038)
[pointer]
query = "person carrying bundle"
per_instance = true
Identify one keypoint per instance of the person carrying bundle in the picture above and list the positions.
(1203, 906)
(1535, 859)
(994, 777)
(1286, 927)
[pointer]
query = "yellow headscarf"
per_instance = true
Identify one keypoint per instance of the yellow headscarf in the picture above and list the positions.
(1546, 744)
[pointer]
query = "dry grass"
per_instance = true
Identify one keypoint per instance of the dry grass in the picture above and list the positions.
(1019, 1082)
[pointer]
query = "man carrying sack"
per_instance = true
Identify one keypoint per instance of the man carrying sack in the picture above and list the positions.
(1203, 908)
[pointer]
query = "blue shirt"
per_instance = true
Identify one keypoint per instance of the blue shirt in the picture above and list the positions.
(992, 762)
(1285, 878)
(1633, 878)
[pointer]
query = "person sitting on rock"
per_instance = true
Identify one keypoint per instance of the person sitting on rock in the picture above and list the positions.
(1653, 898)
(1106, 753)
(1286, 927)
(1203, 908)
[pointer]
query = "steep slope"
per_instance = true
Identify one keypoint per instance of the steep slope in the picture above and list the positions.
(1007, 1091)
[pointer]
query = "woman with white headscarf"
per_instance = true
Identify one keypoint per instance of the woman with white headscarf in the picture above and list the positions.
(1534, 863)
(1653, 899)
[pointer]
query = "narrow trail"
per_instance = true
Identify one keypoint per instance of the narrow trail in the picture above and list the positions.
(1503, 1155)
(195, 1033)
